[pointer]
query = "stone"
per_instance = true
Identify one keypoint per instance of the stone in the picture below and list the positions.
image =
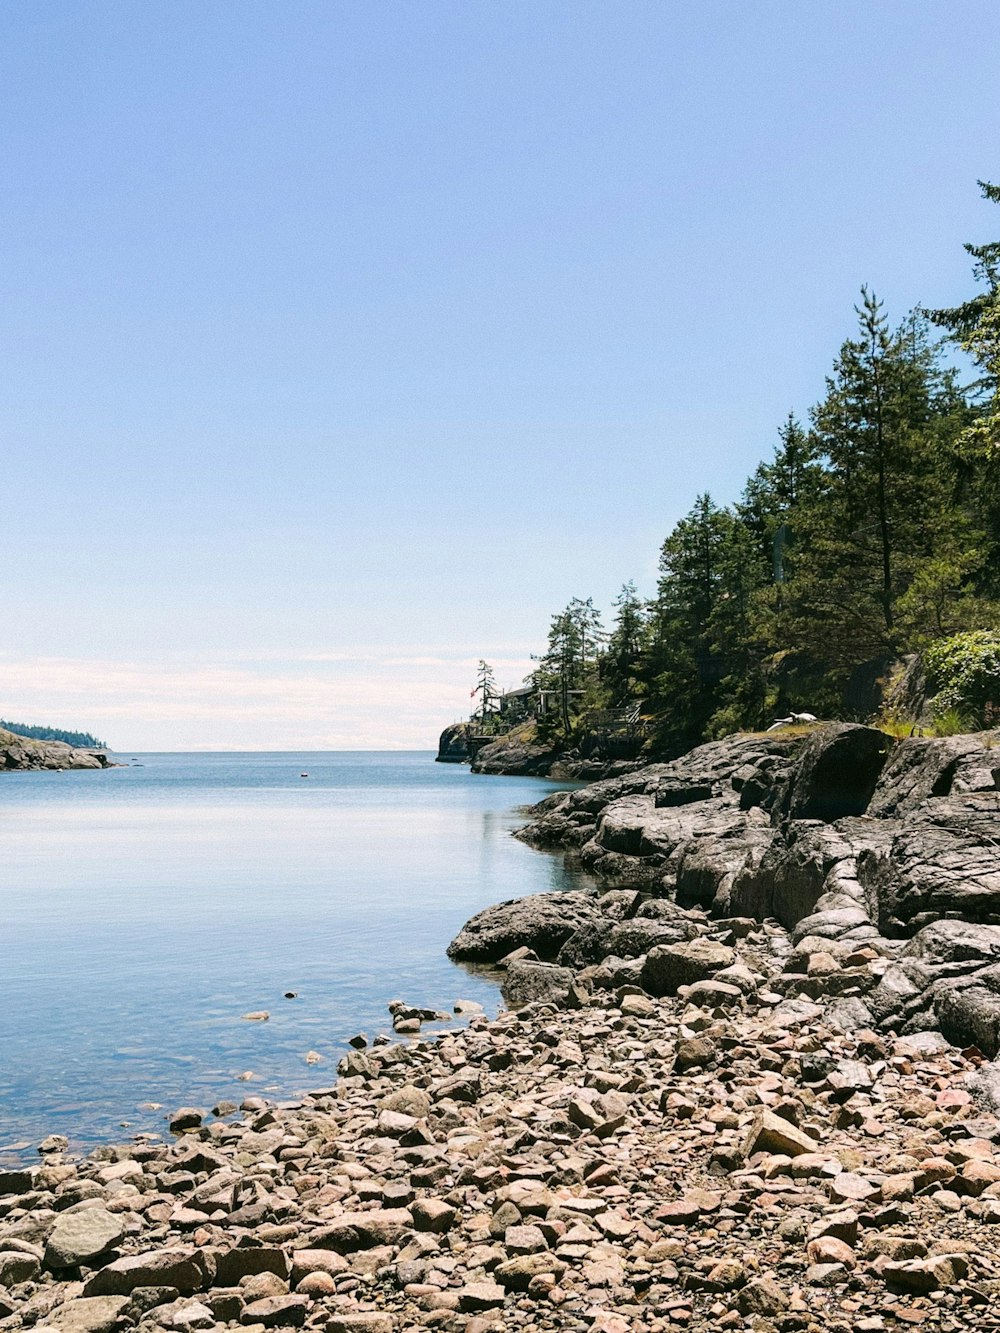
(836, 773)
(277, 1312)
(360, 1321)
(771, 1133)
(362, 1231)
(480, 1296)
(17, 1267)
(669, 966)
(234, 1265)
(433, 1215)
(923, 1275)
(81, 1236)
(89, 1314)
(153, 1268)
(541, 921)
(526, 982)
(188, 1117)
(830, 1250)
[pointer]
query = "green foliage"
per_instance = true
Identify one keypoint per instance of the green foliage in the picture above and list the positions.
(964, 672)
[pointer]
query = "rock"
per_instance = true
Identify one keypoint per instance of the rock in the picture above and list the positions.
(17, 1182)
(185, 1314)
(770, 1133)
(341, 1321)
(433, 1215)
(22, 752)
(830, 1250)
(923, 1275)
(153, 1268)
(81, 1236)
(362, 1231)
(762, 1296)
(669, 966)
(526, 982)
(480, 1296)
(89, 1314)
(541, 921)
(276, 1312)
(453, 744)
(17, 1267)
(836, 773)
(517, 752)
(234, 1265)
(919, 770)
(188, 1117)
(942, 860)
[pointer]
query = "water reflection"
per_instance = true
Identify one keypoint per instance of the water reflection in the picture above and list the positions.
(146, 909)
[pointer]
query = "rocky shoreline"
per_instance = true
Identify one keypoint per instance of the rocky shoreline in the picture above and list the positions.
(725, 1093)
(21, 752)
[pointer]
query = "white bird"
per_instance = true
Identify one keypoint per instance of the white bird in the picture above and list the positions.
(793, 719)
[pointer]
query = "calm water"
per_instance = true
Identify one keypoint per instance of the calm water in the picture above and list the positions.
(144, 909)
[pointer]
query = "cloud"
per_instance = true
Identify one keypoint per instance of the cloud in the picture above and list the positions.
(329, 701)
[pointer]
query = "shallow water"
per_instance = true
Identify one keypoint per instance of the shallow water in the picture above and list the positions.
(144, 909)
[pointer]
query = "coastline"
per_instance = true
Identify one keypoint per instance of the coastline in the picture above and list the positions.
(683, 1120)
(636, 1165)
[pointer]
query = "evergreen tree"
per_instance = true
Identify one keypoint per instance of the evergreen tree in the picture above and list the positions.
(486, 690)
(626, 642)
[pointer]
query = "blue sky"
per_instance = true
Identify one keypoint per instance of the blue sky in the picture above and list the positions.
(345, 342)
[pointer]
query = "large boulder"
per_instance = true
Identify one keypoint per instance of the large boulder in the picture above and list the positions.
(81, 1235)
(947, 977)
(453, 744)
(942, 861)
(526, 981)
(920, 769)
(179, 1268)
(667, 967)
(541, 921)
(836, 773)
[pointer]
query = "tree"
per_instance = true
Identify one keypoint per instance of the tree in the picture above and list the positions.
(975, 327)
(571, 660)
(486, 690)
(626, 642)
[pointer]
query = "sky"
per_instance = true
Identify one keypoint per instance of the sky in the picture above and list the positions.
(344, 341)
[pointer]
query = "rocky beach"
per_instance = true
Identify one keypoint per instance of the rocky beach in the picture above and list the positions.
(746, 1082)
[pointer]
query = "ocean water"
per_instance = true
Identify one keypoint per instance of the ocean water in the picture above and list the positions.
(144, 909)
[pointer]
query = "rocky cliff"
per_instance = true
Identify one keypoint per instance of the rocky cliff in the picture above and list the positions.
(453, 744)
(875, 866)
(20, 752)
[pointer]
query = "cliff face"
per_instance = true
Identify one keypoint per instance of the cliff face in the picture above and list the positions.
(20, 752)
(453, 746)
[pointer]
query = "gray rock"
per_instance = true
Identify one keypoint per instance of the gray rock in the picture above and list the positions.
(17, 1267)
(672, 965)
(920, 769)
(525, 982)
(81, 1236)
(89, 1314)
(836, 773)
(541, 921)
(942, 860)
(154, 1268)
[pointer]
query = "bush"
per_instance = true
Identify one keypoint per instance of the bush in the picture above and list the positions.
(964, 673)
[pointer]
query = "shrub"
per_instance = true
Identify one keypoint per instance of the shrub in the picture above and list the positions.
(964, 673)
